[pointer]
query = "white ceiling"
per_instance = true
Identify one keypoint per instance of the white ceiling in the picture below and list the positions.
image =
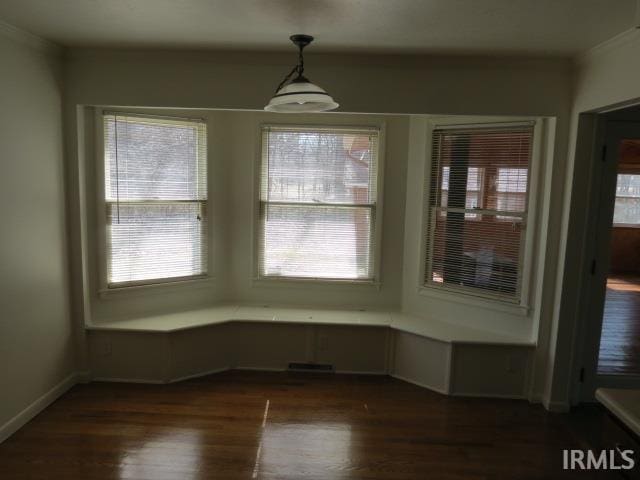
(539, 27)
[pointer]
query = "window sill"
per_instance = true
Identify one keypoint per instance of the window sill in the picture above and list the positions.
(153, 288)
(302, 281)
(504, 306)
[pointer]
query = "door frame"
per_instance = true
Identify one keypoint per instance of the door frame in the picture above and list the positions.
(597, 249)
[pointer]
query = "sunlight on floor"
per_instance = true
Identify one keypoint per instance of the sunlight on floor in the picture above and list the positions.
(175, 449)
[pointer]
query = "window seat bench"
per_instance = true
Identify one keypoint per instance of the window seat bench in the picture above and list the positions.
(447, 358)
(225, 313)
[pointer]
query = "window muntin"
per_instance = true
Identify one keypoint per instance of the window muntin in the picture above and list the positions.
(627, 205)
(318, 201)
(478, 247)
(156, 199)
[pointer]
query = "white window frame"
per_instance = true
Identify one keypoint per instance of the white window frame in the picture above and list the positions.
(258, 231)
(521, 304)
(104, 289)
(625, 225)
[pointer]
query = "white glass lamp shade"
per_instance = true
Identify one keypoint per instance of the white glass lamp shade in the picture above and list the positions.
(301, 97)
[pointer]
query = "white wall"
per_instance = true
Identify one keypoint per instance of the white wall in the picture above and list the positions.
(606, 77)
(35, 313)
(608, 74)
(469, 311)
(36, 333)
(242, 162)
(159, 357)
(162, 298)
(363, 84)
(233, 151)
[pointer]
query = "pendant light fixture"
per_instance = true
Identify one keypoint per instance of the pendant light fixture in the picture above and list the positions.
(299, 94)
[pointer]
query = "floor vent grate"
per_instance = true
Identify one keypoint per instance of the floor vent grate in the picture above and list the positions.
(310, 367)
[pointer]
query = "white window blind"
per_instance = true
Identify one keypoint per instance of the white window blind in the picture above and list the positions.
(477, 208)
(156, 196)
(318, 198)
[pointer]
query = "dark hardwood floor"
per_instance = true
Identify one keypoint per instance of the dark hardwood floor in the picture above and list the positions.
(620, 340)
(244, 425)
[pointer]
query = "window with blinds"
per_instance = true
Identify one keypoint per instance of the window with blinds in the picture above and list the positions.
(318, 199)
(477, 209)
(156, 199)
(627, 206)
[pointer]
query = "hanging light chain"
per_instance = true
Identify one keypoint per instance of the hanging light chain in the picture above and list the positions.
(296, 93)
(286, 79)
(299, 68)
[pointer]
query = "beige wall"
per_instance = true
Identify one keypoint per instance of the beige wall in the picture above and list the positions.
(36, 333)
(606, 77)
(242, 162)
(608, 74)
(34, 282)
(233, 151)
(516, 320)
(363, 84)
(160, 357)
(162, 298)
(360, 83)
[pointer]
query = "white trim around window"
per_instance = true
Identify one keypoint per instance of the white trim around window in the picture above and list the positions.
(521, 304)
(105, 288)
(374, 206)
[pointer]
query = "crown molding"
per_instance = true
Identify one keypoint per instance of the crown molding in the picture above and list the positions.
(29, 39)
(620, 40)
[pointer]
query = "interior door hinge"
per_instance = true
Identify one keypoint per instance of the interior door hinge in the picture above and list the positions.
(604, 153)
(582, 375)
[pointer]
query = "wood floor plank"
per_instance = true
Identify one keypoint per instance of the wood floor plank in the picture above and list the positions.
(620, 339)
(246, 425)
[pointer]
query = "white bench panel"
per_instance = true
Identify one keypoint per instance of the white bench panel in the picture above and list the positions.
(422, 361)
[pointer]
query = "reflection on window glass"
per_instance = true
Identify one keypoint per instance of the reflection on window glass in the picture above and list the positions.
(627, 207)
(511, 191)
(477, 207)
(474, 188)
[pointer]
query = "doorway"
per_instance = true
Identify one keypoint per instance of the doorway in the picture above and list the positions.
(612, 343)
(619, 352)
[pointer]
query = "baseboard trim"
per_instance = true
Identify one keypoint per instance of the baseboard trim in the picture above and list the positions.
(336, 372)
(442, 391)
(86, 377)
(535, 398)
(557, 407)
(499, 396)
(37, 406)
(83, 377)
(260, 369)
(360, 372)
(201, 374)
(129, 380)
